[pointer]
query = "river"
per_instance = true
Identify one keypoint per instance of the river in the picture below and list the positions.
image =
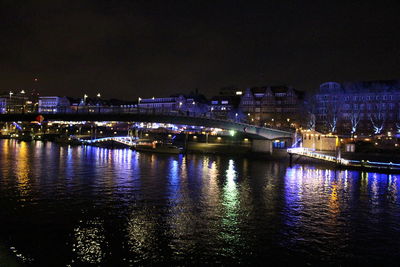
(67, 206)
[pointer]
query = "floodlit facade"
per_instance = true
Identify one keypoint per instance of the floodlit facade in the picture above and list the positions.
(226, 107)
(14, 103)
(279, 106)
(358, 108)
(54, 104)
(180, 104)
(317, 141)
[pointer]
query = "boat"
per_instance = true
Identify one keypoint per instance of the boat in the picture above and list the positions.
(67, 140)
(146, 145)
(26, 136)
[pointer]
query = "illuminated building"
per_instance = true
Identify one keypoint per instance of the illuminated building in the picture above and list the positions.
(226, 107)
(100, 105)
(275, 106)
(364, 108)
(13, 102)
(226, 104)
(180, 104)
(54, 104)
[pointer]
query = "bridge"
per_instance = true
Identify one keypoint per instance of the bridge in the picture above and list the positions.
(358, 164)
(262, 133)
(126, 140)
(302, 151)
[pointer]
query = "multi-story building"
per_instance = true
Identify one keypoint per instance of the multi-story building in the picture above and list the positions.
(180, 104)
(278, 106)
(226, 107)
(226, 104)
(3, 105)
(54, 104)
(362, 108)
(100, 105)
(162, 104)
(14, 102)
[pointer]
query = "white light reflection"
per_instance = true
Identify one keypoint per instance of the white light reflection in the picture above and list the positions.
(230, 221)
(89, 242)
(141, 233)
(173, 179)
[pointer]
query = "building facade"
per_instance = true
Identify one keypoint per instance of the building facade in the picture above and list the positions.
(180, 104)
(358, 108)
(54, 104)
(14, 103)
(277, 106)
(226, 107)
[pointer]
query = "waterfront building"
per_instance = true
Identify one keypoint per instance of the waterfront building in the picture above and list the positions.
(318, 141)
(226, 104)
(226, 107)
(358, 108)
(100, 105)
(277, 106)
(194, 105)
(54, 104)
(3, 105)
(162, 104)
(14, 102)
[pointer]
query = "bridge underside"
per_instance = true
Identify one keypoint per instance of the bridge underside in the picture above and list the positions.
(258, 132)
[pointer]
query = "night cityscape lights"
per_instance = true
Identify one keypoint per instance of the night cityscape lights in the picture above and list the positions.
(199, 133)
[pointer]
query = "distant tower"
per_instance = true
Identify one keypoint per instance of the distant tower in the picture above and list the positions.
(34, 95)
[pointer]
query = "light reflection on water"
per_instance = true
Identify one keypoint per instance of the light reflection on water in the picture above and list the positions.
(89, 242)
(73, 205)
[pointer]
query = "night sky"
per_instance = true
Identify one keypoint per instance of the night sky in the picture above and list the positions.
(126, 49)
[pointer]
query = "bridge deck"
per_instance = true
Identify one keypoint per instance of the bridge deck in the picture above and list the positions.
(126, 140)
(173, 118)
(301, 151)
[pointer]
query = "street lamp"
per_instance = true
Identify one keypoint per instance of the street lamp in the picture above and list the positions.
(11, 93)
(98, 95)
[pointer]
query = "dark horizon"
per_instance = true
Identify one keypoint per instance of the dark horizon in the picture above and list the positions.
(126, 49)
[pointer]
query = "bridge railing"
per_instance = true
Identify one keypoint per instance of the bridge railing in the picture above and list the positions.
(312, 154)
(357, 163)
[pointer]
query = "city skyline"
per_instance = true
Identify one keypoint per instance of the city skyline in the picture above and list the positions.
(175, 133)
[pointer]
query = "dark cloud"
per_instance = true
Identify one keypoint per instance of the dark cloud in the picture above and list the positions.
(129, 48)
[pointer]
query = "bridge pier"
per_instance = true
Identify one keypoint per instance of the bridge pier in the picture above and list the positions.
(263, 146)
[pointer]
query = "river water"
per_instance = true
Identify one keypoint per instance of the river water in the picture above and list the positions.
(67, 206)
